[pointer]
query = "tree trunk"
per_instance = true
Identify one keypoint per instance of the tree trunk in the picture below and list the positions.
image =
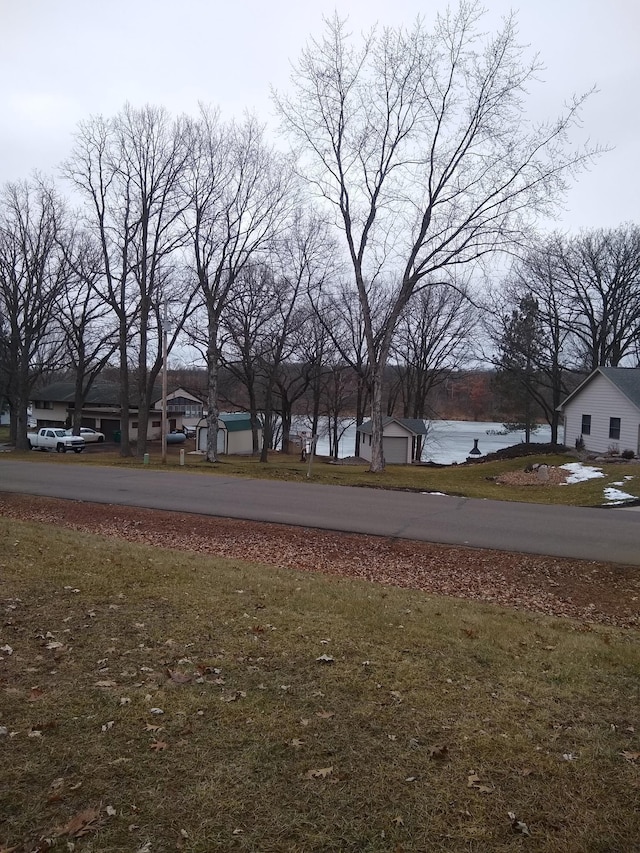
(212, 398)
(267, 432)
(377, 452)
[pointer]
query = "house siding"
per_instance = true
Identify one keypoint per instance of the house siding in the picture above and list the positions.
(602, 400)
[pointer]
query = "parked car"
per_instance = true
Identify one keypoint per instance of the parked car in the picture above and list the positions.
(53, 438)
(89, 435)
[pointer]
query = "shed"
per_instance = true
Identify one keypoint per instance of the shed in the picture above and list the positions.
(402, 440)
(604, 411)
(234, 433)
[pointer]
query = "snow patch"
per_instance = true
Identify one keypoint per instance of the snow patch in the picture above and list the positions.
(580, 473)
(615, 496)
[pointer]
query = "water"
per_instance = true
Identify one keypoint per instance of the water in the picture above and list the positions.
(447, 441)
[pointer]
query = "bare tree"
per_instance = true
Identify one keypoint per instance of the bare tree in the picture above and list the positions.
(90, 333)
(432, 339)
(239, 194)
(418, 141)
(598, 273)
(245, 336)
(128, 168)
(33, 274)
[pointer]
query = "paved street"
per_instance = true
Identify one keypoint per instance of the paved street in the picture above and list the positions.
(593, 534)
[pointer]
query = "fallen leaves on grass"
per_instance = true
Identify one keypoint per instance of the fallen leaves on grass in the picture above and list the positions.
(630, 756)
(320, 773)
(82, 823)
(475, 782)
(598, 592)
(518, 826)
(158, 745)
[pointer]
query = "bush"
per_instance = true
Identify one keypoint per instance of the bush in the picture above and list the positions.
(627, 454)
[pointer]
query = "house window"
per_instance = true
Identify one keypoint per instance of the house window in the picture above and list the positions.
(156, 423)
(586, 425)
(614, 428)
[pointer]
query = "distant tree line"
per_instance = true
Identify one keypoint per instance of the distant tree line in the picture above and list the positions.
(342, 272)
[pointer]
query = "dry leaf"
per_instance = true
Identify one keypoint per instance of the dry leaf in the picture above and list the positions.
(151, 728)
(233, 697)
(325, 715)
(105, 684)
(630, 756)
(518, 825)
(398, 821)
(178, 677)
(296, 743)
(321, 773)
(158, 745)
(83, 823)
(475, 782)
(325, 659)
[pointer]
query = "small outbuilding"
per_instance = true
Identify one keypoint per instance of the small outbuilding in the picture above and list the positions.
(402, 440)
(234, 434)
(603, 413)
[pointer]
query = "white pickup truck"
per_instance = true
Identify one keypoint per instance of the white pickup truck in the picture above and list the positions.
(53, 438)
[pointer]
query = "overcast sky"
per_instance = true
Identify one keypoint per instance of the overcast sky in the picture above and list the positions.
(64, 60)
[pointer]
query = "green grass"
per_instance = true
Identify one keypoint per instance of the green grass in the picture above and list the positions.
(540, 710)
(475, 480)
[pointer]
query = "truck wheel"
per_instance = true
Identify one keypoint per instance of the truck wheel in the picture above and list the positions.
(30, 446)
(78, 449)
(61, 448)
(101, 439)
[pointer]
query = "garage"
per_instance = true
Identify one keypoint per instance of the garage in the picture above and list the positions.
(395, 449)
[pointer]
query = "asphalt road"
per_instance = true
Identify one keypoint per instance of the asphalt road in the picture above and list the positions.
(592, 534)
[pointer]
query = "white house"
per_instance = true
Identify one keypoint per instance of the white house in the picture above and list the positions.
(604, 411)
(402, 440)
(53, 406)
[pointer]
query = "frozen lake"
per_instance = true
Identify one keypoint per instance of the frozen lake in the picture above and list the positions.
(450, 441)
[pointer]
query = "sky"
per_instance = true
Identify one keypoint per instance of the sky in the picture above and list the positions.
(62, 61)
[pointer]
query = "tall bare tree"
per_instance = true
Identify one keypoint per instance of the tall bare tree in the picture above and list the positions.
(33, 274)
(239, 195)
(128, 168)
(419, 142)
(90, 333)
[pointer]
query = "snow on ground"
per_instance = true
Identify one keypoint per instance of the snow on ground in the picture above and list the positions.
(580, 473)
(615, 496)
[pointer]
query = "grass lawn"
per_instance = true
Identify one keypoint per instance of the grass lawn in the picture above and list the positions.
(152, 700)
(475, 480)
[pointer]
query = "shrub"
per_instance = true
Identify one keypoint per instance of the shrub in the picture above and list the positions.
(627, 454)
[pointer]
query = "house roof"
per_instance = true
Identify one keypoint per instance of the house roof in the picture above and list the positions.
(412, 425)
(105, 393)
(101, 393)
(626, 380)
(235, 421)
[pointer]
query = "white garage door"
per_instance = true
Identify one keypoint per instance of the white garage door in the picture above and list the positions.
(395, 450)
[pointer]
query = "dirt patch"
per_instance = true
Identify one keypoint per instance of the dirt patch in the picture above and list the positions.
(545, 475)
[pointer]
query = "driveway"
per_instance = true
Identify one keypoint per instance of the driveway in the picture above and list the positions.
(591, 534)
